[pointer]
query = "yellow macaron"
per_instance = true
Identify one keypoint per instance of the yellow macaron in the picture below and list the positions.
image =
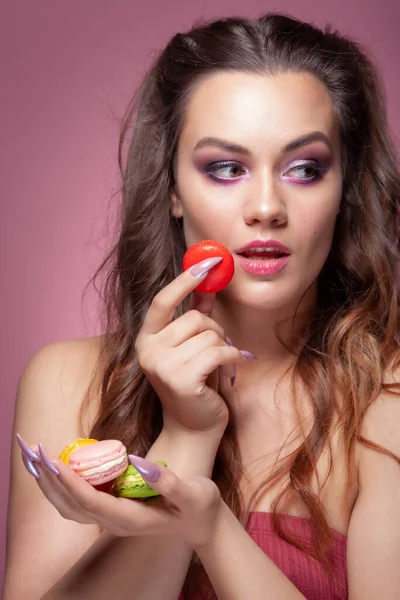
(68, 450)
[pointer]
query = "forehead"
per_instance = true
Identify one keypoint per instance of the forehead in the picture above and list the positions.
(252, 109)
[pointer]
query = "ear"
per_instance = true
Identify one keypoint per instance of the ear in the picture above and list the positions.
(176, 206)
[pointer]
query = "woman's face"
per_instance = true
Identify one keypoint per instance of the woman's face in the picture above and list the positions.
(242, 185)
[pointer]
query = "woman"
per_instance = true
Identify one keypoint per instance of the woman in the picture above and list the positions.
(273, 402)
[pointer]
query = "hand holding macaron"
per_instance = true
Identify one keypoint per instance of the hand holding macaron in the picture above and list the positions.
(188, 507)
(182, 359)
(106, 467)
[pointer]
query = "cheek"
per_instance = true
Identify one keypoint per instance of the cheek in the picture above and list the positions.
(197, 227)
(205, 218)
(320, 235)
(318, 217)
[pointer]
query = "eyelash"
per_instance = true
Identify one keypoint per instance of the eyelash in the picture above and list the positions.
(212, 167)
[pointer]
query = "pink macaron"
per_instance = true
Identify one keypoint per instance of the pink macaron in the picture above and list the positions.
(101, 462)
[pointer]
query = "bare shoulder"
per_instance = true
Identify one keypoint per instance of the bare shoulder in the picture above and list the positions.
(49, 396)
(373, 542)
(55, 380)
(381, 424)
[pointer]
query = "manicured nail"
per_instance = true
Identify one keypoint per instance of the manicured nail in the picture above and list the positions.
(229, 341)
(146, 468)
(30, 467)
(247, 354)
(205, 265)
(25, 448)
(47, 462)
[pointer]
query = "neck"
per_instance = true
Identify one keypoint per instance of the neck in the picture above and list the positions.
(265, 333)
(273, 335)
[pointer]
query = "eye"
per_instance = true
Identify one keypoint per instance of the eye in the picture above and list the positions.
(230, 170)
(307, 167)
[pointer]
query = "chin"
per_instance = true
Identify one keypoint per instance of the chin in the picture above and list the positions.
(270, 295)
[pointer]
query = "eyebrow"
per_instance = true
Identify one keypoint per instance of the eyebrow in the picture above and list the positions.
(297, 143)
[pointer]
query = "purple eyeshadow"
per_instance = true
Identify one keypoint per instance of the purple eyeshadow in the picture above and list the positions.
(319, 167)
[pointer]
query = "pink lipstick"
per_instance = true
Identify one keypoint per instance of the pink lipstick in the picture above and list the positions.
(263, 266)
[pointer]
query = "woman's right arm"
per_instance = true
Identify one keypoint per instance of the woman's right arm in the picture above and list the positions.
(182, 360)
(52, 558)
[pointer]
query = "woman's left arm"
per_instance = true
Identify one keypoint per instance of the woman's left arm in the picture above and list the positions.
(238, 568)
(373, 543)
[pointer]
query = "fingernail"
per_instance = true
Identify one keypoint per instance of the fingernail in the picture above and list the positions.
(228, 370)
(233, 379)
(25, 448)
(229, 341)
(146, 468)
(30, 467)
(47, 462)
(205, 265)
(247, 354)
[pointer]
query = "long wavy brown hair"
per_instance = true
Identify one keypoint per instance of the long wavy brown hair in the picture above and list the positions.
(355, 333)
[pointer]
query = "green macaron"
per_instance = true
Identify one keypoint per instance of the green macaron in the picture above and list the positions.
(132, 485)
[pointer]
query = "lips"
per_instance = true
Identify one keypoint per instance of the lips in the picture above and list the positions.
(263, 266)
(264, 254)
(264, 248)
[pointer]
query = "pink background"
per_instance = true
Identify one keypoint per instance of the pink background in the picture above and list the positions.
(66, 69)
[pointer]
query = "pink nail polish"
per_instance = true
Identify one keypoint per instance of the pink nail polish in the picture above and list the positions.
(47, 462)
(248, 354)
(28, 451)
(30, 466)
(204, 266)
(146, 468)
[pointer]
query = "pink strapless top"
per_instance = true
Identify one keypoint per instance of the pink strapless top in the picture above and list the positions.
(302, 570)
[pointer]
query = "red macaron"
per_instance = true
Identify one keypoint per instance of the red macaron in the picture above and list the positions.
(219, 276)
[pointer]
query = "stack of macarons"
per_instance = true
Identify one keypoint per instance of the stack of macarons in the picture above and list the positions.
(104, 464)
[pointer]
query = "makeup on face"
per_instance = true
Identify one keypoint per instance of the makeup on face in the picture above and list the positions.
(212, 157)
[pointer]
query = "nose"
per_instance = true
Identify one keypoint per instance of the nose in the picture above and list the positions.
(265, 203)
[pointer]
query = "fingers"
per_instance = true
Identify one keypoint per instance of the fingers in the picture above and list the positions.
(163, 306)
(77, 500)
(56, 492)
(187, 495)
(205, 362)
(191, 378)
(51, 486)
(120, 516)
(203, 303)
(187, 326)
(185, 352)
(47, 474)
(72, 497)
(61, 499)
(195, 360)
